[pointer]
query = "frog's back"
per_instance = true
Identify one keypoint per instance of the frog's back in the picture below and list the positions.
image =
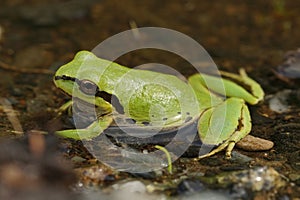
(156, 98)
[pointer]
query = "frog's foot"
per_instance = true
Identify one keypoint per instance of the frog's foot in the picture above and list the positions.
(228, 145)
(64, 107)
(232, 85)
(225, 124)
(93, 130)
(255, 89)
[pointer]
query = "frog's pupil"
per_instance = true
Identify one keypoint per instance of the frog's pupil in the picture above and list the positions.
(88, 87)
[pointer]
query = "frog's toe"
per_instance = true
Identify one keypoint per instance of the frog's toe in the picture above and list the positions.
(229, 149)
(215, 151)
(93, 130)
(228, 152)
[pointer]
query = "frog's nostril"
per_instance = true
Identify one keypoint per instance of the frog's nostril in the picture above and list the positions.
(188, 119)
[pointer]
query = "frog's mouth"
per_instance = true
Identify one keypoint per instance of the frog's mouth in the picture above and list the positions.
(112, 99)
(91, 89)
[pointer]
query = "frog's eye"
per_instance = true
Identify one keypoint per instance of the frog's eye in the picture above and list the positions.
(88, 87)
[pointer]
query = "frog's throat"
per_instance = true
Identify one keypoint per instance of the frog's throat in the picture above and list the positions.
(111, 98)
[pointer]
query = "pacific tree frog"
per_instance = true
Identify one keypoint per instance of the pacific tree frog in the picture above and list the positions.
(156, 100)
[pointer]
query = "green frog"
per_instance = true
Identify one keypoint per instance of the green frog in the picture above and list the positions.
(156, 101)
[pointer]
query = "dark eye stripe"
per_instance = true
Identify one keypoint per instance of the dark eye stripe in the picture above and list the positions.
(66, 78)
(86, 86)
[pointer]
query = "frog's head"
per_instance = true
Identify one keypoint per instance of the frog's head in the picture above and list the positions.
(81, 78)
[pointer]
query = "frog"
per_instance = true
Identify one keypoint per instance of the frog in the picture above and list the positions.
(150, 100)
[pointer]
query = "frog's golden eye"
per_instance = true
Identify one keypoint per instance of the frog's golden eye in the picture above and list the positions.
(88, 87)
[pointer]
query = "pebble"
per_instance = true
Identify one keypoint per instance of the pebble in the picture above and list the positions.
(290, 67)
(284, 101)
(251, 143)
(279, 101)
(240, 158)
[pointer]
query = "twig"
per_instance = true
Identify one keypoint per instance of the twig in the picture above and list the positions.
(27, 71)
(11, 115)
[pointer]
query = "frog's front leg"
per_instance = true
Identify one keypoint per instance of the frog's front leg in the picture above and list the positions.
(93, 130)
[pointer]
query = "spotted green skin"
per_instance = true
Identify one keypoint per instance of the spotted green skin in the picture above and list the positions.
(162, 101)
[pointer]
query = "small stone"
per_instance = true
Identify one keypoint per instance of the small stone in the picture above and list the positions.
(290, 67)
(240, 158)
(251, 143)
(132, 187)
(279, 102)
